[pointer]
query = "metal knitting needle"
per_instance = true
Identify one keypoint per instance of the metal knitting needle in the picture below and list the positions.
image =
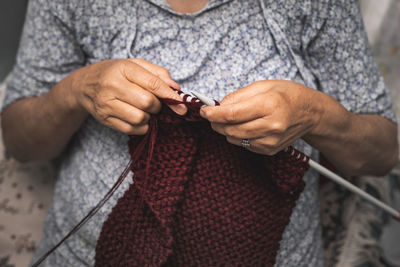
(206, 100)
(327, 173)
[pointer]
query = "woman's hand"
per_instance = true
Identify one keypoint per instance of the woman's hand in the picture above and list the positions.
(271, 114)
(122, 93)
(274, 114)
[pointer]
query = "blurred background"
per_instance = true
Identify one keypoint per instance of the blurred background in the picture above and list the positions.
(26, 190)
(12, 15)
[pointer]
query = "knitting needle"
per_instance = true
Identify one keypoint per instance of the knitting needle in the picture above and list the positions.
(327, 173)
(206, 100)
(336, 178)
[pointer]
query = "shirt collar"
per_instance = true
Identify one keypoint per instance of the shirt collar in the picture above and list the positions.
(211, 4)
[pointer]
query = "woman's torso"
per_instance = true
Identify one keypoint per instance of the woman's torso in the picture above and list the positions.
(227, 45)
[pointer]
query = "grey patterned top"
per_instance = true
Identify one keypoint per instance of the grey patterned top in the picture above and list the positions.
(225, 46)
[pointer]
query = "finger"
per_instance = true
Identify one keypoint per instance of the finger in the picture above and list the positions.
(268, 145)
(270, 151)
(128, 113)
(158, 71)
(258, 145)
(239, 112)
(138, 97)
(103, 116)
(125, 127)
(266, 142)
(150, 82)
(251, 129)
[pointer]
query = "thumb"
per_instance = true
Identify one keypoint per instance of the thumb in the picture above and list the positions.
(150, 82)
(159, 71)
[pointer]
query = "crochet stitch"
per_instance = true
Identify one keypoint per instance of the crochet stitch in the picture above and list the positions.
(197, 200)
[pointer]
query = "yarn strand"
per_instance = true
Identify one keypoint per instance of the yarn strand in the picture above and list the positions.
(151, 134)
(89, 215)
(149, 141)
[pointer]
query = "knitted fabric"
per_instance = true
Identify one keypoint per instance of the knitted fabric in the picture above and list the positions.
(197, 200)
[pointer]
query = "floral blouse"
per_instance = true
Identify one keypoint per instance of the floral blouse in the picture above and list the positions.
(227, 45)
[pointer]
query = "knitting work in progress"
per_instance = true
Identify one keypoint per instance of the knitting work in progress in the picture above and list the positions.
(197, 200)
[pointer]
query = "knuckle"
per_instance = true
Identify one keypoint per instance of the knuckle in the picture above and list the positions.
(147, 102)
(271, 142)
(154, 84)
(127, 129)
(230, 131)
(281, 99)
(271, 103)
(101, 114)
(104, 81)
(100, 110)
(250, 133)
(100, 101)
(108, 78)
(278, 127)
(113, 84)
(142, 118)
(231, 115)
(249, 130)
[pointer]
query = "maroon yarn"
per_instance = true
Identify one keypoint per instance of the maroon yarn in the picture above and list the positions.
(197, 200)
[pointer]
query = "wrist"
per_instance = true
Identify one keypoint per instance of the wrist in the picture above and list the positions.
(71, 88)
(319, 112)
(331, 119)
(66, 95)
(314, 108)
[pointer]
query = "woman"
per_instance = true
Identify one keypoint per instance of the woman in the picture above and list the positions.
(88, 73)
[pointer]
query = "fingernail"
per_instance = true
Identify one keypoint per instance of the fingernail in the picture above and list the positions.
(176, 85)
(180, 109)
(202, 112)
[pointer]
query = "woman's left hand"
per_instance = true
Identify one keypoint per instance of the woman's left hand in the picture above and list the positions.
(271, 114)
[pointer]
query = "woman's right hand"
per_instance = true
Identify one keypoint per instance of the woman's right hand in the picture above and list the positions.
(122, 93)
